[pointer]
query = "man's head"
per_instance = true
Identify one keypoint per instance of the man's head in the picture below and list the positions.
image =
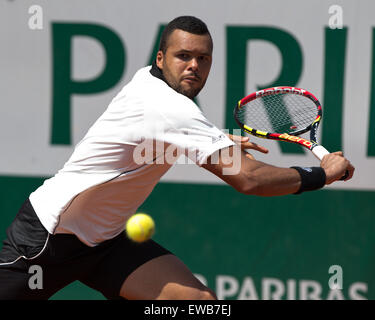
(185, 55)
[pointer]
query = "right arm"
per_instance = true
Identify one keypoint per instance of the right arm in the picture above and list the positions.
(250, 176)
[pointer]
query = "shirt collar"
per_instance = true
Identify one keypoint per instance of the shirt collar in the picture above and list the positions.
(156, 72)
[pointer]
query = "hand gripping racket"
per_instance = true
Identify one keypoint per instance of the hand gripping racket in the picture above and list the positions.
(283, 114)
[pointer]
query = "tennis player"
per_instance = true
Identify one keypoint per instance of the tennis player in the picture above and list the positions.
(72, 226)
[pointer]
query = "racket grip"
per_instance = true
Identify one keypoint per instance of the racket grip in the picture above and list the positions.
(319, 152)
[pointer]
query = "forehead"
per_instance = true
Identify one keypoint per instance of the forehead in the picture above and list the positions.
(180, 40)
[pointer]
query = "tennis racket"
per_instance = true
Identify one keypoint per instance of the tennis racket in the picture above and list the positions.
(283, 114)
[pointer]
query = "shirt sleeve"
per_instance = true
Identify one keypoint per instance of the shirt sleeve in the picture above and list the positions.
(183, 125)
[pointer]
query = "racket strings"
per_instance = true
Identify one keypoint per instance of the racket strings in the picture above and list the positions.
(281, 113)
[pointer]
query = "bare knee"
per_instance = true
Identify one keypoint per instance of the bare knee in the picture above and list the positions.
(208, 294)
(165, 278)
(187, 293)
(204, 294)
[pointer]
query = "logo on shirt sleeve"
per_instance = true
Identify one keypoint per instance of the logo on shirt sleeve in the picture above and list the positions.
(218, 138)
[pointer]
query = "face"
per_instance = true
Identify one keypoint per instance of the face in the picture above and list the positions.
(186, 62)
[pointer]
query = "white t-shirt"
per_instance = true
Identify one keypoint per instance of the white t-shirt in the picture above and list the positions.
(124, 154)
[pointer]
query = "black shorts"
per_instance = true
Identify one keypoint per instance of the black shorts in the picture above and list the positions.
(35, 264)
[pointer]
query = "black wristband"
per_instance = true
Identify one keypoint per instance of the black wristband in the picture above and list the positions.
(312, 178)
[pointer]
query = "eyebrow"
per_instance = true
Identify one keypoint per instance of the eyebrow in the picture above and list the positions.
(191, 51)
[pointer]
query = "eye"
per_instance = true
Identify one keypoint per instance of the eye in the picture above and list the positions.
(204, 58)
(183, 56)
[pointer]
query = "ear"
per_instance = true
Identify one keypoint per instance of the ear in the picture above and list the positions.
(160, 59)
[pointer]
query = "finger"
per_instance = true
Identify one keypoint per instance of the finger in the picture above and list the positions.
(338, 153)
(239, 139)
(254, 146)
(351, 169)
(246, 144)
(250, 156)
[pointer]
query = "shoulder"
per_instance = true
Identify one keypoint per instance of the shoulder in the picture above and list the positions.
(158, 100)
(159, 97)
(152, 89)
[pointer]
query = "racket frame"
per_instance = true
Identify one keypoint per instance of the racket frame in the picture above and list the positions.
(293, 137)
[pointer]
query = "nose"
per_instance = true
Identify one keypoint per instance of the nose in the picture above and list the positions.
(193, 64)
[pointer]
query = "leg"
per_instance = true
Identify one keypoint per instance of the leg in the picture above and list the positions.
(164, 277)
(26, 237)
(141, 271)
(62, 259)
(14, 283)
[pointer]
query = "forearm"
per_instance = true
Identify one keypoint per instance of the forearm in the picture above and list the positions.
(266, 180)
(254, 177)
(273, 181)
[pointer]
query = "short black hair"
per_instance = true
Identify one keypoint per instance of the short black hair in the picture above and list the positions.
(186, 23)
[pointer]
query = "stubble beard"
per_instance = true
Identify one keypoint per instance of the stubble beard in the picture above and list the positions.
(189, 92)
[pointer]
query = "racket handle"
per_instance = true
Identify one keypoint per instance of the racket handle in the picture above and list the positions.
(320, 152)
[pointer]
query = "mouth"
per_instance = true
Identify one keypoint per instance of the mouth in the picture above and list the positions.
(191, 79)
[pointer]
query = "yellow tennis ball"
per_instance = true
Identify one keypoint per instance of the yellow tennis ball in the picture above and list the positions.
(140, 227)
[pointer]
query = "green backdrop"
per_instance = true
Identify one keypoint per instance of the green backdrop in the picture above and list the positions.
(219, 232)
